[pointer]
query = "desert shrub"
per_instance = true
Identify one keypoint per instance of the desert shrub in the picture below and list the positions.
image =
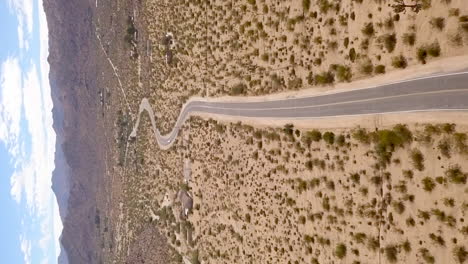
(460, 254)
(355, 178)
(306, 5)
(463, 22)
(454, 11)
(449, 202)
(389, 24)
(329, 137)
(295, 83)
(352, 54)
(403, 132)
(265, 56)
(437, 239)
(448, 128)
(424, 215)
(417, 159)
(340, 250)
(399, 207)
(445, 147)
(390, 41)
(361, 135)
(399, 62)
(366, 67)
(408, 174)
(427, 257)
(324, 6)
(434, 49)
(425, 4)
(409, 39)
(360, 237)
(288, 129)
(460, 143)
(463, 19)
(313, 135)
(456, 175)
(341, 140)
(324, 78)
(343, 73)
(239, 89)
(379, 69)
(406, 246)
(391, 253)
(368, 29)
(437, 22)
(421, 54)
(428, 184)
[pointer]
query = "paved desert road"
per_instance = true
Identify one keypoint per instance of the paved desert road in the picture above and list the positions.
(434, 93)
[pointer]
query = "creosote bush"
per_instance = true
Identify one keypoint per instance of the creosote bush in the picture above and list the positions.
(340, 251)
(399, 62)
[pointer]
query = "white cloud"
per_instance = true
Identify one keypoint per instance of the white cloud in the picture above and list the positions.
(23, 9)
(26, 112)
(26, 249)
(10, 104)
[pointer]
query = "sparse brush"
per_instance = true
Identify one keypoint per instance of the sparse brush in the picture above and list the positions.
(428, 184)
(368, 29)
(427, 257)
(379, 69)
(409, 39)
(460, 254)
(340, 250)
(438, 23)
(399, 62)
(391, 253)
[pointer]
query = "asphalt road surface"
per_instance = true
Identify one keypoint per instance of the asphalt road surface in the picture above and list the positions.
(433, 93)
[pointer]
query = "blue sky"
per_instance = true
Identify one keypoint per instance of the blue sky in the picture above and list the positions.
(30, 225)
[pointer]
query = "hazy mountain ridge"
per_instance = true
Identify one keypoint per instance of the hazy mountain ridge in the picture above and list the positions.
(72, 77)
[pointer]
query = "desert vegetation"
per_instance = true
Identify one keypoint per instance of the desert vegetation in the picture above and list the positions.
(267, 46)
(288, 195)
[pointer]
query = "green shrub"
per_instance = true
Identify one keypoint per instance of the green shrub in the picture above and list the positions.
(324, 78)
(343, 73)
(417, 158)
(361, 135)
(428, 184)
(399, 62)
(340, 250)
(329, 137)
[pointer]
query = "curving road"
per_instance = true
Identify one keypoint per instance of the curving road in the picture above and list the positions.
(434, 93)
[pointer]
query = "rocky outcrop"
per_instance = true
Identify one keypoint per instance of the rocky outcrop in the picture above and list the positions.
(78, 172)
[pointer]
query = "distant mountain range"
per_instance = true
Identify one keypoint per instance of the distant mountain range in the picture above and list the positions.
(78, 173)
